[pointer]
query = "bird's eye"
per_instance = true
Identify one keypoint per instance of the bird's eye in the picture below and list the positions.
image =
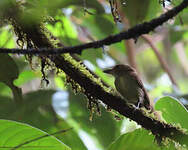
(118, 67)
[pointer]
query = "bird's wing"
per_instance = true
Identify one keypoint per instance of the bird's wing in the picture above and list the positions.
(146, 101)
(137, 79)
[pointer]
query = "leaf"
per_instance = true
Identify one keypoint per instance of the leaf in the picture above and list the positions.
(6, 38)
(139, 139)
(14, 134)
(10, 72)
(137, 11)
(92, 55)
(173, 111)
(25, 77)
(9, 69)
(8, 108)
(99, 26)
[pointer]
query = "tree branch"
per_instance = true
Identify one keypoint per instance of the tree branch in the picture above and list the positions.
(134, 33)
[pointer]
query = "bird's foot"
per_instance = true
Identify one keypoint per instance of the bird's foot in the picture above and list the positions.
(138, 106)
(135, 107)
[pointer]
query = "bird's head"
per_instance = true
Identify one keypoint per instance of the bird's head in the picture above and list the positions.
(119, 70)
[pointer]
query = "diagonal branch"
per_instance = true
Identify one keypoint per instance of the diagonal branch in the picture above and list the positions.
(134, 33)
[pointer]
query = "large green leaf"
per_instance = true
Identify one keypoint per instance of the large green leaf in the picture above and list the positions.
(173, 111)
(22, 136)
(139, 139)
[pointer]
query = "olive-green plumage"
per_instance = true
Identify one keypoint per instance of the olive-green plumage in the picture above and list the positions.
(129, 85)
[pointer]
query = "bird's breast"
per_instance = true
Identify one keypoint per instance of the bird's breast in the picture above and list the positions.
(128, 88)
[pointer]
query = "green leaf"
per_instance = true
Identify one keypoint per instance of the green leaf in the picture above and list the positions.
(100, 26)
(6, 38)
(8, 108)
(9, 72)
(92, 55)
(173, 111)
(139, 139)
(137, 11)
(5, 90)
(104, 24)
(15, 134)
(154, 8)
(9, 69)
(24, 77)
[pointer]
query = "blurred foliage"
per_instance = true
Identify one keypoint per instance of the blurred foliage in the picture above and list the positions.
(138, 11)
(75, 22)
(138, 139)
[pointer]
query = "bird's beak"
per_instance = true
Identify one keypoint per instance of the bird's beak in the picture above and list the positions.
(109, 71)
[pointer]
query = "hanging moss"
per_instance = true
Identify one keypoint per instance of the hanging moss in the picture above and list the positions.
(35, 35)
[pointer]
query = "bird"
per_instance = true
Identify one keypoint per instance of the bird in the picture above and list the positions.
(130, 86)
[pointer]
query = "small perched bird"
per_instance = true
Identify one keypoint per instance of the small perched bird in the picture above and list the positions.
(129, 85)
